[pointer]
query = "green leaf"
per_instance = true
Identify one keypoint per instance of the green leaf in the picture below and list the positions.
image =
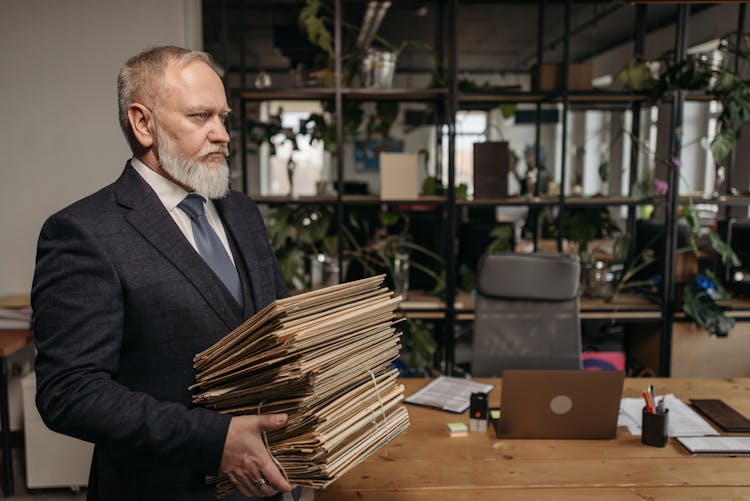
(431, 186)
(722, 144)
(723, 294)
(388, 219)
(502, 239)
(387, 112)
(467, 278)
(700, 307)
(728, 257)
(316, 30)
(508, 109)
(694, 225)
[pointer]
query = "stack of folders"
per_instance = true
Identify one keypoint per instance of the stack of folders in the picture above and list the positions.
(324, 358)
(15, 312)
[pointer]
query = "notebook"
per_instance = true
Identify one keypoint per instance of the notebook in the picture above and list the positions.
(725, 445)
(560, 404)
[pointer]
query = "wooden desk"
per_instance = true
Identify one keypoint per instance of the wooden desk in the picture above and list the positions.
(627, 307)
(425, 464)
(11, 342)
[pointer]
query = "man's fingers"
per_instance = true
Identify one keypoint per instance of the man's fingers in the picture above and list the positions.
(241, 486)
(270, 422)
(275, 479)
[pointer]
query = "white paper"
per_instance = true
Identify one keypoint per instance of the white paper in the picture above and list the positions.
(448, 393)
(683, 421)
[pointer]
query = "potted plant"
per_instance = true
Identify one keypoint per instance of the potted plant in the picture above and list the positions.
(700, 293)
(698, 73)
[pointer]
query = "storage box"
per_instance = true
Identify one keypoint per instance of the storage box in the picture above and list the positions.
(491, 165)
(549, 76)
(399, 176)
(52, 459)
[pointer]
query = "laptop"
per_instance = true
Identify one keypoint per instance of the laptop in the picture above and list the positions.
(560, 404)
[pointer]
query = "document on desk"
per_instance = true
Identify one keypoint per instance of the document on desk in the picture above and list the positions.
(683, 421)
(450, 394)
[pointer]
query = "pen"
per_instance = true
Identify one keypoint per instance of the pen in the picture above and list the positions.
(649, 404)
(660, 407)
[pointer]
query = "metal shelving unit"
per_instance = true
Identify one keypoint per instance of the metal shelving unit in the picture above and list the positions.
(449, 100)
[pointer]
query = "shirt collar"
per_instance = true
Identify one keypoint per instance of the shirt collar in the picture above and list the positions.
(168, 192)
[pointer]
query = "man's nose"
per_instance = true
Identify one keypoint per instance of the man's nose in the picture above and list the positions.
(218, 132)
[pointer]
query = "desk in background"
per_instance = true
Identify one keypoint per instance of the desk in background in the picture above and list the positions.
(425, 464)
(15, 347)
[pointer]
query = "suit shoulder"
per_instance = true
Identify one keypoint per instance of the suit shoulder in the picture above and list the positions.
(94, 206)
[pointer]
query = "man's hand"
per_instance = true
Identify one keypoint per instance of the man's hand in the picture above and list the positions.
(245, 459)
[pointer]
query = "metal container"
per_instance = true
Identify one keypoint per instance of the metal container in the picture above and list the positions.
(377, 69)
(600, 279)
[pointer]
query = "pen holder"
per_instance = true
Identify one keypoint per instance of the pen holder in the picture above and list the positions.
(655, 428)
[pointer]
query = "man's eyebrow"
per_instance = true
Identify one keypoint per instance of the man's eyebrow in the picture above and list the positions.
(207, 109)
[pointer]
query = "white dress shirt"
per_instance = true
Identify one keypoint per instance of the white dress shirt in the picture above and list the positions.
(170, 195)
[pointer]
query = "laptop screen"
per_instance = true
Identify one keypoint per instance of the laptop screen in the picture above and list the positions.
(560, 404)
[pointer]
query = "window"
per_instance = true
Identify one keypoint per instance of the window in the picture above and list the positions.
(470, 128)
(304, 166)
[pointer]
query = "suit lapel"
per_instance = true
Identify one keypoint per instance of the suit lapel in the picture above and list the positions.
(149, 217)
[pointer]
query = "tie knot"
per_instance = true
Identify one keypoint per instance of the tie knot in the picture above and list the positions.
(192, 205)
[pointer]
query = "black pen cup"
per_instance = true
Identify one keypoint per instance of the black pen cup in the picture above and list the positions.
(655, 428)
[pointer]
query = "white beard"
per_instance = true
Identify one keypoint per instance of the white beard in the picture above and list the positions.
(210, 181)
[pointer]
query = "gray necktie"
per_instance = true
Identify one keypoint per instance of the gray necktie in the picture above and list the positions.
(210, 247)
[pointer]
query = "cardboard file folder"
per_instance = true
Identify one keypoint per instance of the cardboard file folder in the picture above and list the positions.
(398, 176)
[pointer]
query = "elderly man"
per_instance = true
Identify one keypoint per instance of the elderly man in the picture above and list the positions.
(135, 279)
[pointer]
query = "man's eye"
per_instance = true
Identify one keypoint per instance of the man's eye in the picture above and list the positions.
(200, 116)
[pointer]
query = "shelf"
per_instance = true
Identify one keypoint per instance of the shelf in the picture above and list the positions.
(627, 307)
(545, 201)
(592, 97)
(613, 100)
(347, 200)
(721, 200)
(356, 94)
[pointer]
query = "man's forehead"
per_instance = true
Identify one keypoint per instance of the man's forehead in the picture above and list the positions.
(196, 84)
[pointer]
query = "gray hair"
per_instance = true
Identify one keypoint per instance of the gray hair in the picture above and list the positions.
(140, 79)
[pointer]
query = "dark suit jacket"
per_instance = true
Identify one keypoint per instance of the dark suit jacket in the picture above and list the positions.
(122, 302)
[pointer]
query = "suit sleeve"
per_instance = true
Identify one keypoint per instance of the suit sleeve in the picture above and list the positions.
(78, 307)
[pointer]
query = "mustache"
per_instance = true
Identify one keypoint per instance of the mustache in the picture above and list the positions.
(216, 148)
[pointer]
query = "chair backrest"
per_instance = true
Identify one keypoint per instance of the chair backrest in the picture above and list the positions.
(526, 313)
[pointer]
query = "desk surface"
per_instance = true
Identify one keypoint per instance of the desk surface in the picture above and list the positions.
(13, 340)
(425, 464)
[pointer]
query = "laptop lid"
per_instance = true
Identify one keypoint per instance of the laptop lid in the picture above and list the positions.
(560, 404)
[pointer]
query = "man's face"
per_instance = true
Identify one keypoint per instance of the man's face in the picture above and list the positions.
(191, 138)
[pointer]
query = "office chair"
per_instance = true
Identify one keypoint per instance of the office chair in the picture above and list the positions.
(526, 313)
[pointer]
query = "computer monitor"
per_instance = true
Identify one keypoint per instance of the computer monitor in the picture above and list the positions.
(652, 234)
(736, 233)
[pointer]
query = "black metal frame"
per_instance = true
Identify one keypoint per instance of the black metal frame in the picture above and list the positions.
(449, 101)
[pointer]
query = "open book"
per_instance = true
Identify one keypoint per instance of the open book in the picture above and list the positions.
(324, 358)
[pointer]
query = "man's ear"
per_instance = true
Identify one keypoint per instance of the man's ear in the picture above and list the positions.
(141, 122)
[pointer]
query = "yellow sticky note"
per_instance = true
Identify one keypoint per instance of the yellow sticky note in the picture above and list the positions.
(458, 429)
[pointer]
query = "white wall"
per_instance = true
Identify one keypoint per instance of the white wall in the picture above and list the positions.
(59, 135)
